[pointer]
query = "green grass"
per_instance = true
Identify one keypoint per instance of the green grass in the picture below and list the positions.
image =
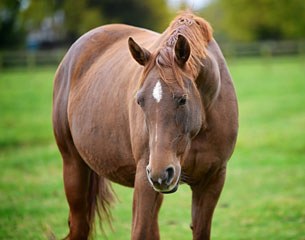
(264, 193)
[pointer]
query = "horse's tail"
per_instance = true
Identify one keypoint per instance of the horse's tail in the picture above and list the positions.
(100, 199)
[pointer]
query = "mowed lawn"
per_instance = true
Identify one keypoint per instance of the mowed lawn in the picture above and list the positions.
(264, 195)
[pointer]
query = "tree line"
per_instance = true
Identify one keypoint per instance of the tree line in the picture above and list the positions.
(259, 20)
(234, 20)
(68, 19)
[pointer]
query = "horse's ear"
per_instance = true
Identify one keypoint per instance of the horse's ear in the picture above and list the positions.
(182, 50)
(141, 55)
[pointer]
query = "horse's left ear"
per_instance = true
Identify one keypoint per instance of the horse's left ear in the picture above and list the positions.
(182, 50)
(141, 55)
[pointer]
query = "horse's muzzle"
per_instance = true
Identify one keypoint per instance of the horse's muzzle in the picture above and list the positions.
(172, 191)
(163, 182)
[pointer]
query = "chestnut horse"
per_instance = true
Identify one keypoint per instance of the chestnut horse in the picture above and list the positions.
(165, 117)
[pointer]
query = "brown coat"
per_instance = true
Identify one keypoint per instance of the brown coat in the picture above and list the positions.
(169, 117)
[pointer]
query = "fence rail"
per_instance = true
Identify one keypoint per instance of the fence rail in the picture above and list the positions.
(30, 59)
(263, 49)
(9, 59)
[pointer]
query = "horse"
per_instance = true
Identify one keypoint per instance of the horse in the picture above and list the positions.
(148, 111)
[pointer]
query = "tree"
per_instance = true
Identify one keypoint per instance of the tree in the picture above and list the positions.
(152, 14)
(10, 33)
(247, 20)
(80, 17)
(83, 15)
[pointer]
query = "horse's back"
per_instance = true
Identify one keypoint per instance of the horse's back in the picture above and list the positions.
(93, 44)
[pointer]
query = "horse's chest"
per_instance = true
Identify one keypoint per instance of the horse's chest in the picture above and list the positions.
(202, 157)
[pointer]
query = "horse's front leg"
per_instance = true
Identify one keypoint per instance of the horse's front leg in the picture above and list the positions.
(204, 200)
(146, 205)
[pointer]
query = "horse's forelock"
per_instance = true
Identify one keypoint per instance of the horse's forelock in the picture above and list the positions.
(198, 33)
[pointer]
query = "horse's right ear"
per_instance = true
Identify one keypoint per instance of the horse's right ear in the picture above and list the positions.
(141, 55)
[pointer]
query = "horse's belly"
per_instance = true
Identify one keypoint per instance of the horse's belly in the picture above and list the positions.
(113, 161)
(123, 175)
(100, 134)
(114, 168)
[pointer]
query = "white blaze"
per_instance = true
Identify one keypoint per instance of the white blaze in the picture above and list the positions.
(157, 92)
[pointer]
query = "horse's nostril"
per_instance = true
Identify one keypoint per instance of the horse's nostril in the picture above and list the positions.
(170, 171)
(163, 180)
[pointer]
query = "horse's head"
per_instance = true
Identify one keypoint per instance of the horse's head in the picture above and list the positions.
(173, 110)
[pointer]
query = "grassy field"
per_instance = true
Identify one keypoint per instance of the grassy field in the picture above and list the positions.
(264, 195)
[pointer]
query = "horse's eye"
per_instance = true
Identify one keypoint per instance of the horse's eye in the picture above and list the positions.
(182, 100)
(140, 98)
(140, 101)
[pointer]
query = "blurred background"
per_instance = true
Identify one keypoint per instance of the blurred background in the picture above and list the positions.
(264, 45)
(242, 27)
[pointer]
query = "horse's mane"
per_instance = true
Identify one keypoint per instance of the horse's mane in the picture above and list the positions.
(198, 32)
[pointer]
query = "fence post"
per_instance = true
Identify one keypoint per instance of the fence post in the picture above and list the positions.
(31, 59)
(301, 51)
(1, 61)
(266, 50)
